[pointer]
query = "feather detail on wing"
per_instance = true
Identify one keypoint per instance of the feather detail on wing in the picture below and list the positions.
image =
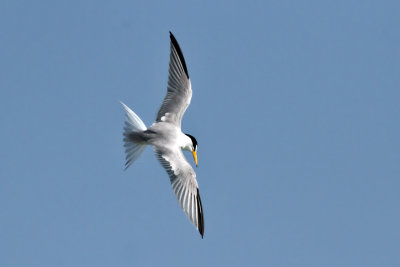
(184, 184)
(179, 91)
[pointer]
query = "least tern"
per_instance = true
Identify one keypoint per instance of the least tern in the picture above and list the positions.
(166, 137)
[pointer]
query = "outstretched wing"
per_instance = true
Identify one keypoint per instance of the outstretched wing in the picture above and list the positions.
(179, 91)
(184, 184)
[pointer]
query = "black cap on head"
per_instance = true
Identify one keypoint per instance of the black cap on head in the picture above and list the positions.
(194, 141)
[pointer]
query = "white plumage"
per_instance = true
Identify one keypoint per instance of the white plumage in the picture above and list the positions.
(166, 137)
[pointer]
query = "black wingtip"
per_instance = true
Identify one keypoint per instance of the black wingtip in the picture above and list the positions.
(200, 215)
(179, 51)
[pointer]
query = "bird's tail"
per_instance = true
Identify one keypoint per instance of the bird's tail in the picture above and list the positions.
(132, 124)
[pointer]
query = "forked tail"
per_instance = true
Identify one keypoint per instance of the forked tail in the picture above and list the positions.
(132, 124)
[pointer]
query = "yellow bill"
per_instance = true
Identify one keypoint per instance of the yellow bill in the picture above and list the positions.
(194, 156)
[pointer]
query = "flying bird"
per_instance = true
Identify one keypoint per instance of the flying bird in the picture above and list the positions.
(167, 138)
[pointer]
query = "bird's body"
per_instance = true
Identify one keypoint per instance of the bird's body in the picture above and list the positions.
(167, 138)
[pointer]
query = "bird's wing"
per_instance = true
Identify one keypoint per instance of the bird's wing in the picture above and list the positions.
(179, 91)
(184, 184)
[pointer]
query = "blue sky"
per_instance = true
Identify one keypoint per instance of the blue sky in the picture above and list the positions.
(295, 107)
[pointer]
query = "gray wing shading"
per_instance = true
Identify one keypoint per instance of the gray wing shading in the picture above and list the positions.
(179, 91)
(184, 184)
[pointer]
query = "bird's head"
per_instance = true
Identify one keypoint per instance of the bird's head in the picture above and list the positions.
(192, 146)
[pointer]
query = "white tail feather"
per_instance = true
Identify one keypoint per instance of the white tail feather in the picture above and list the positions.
(132, 124)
